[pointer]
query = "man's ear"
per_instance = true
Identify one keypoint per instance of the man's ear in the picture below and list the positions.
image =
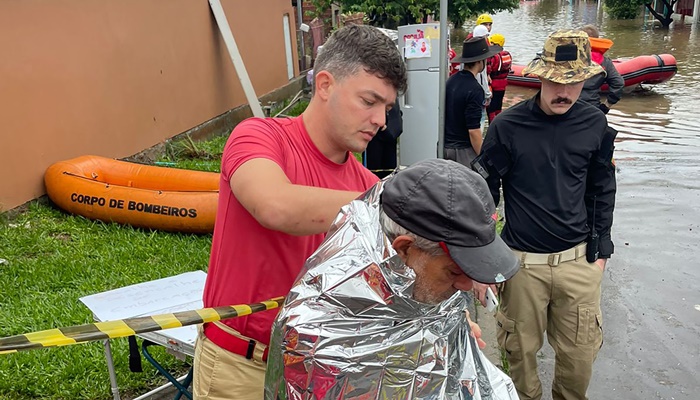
(401, 244)
(324, 82)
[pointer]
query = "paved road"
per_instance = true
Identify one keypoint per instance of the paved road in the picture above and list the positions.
(651, 294)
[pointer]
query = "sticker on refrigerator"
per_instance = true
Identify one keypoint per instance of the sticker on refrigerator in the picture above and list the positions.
(417, 48)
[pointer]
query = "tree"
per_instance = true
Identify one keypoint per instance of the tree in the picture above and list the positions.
(629, 9)
(392, 13)
(666, 17)
(458, 11)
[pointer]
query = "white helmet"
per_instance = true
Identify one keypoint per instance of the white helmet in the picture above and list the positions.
(480, 30)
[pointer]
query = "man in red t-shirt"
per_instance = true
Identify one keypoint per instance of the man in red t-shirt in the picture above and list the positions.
(283, 182)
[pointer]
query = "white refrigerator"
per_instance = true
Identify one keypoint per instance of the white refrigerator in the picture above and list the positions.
(420, 46)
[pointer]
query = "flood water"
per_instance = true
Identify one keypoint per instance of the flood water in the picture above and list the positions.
(651, 290)
(666, 114)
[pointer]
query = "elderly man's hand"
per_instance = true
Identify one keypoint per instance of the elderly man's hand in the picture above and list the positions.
(476, 331)
(480, 291)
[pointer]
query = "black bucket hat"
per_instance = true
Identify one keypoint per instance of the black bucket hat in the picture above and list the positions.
(446, 202)
(476, 49)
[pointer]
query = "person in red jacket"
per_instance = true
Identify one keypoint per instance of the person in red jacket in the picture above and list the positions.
(498, 69)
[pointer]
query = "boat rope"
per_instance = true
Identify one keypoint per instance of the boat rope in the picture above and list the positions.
(128, 327)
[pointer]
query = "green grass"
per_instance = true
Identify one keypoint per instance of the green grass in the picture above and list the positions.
(53, 259)
(296, 109)
(188, 154)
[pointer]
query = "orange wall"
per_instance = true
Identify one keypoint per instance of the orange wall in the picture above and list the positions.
(114, 77)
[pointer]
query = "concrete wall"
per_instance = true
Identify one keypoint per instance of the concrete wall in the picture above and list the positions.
(114, 77)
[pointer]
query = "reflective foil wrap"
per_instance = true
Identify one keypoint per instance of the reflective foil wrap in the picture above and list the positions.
(351, 330)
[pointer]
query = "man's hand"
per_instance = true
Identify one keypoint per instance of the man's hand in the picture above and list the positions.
(599, 262)
(604, 108)
(480, 291)
(476, 331)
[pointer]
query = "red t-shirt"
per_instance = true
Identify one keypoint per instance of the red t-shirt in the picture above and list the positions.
(250, 263)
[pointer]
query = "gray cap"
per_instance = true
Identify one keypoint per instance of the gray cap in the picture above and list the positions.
(448, 203)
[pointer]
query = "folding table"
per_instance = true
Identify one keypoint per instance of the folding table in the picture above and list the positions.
(162, 296)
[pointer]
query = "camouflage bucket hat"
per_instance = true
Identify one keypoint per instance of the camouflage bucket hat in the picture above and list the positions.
(566, 58)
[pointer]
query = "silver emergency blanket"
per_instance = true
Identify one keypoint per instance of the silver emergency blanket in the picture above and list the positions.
(351, 330)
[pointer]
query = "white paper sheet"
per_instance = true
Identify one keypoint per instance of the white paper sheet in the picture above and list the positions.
(168, 295)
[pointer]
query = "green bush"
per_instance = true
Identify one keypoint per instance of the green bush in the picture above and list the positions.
(51, 260)
(622, 9)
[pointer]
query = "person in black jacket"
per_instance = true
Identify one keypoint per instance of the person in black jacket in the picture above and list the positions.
(553, 156)
(380, 156)
(615, 82)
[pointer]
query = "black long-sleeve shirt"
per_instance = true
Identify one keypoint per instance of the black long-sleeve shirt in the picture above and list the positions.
(558, 165)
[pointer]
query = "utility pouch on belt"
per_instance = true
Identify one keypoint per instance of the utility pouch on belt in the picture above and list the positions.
(492, 160)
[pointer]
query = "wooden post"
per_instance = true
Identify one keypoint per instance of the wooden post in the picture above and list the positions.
(235, 55)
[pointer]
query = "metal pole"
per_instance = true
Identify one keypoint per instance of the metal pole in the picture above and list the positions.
(110, 367)
(444, 35)
(300, 17)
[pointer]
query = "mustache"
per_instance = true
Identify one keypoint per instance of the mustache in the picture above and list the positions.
(562, 100)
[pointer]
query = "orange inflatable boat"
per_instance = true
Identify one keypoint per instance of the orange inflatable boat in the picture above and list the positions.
(143, 196)
(651, 70)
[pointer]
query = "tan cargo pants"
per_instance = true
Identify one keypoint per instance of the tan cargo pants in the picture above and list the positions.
(558, 293)
(222, 375)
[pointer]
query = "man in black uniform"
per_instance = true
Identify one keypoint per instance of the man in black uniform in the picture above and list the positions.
(380, 156)
(553, 156)
(464, 102)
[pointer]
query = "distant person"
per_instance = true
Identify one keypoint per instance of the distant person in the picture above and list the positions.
(553, 156)
(283, 181)
(483, 76)
(464, 103)
(498, 69)
(484, 20)
(454, 66)
(380, 156)
(615, 82)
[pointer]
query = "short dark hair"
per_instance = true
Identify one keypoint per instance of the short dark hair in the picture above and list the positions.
(473, 63)
(355, 46)
(591, 31)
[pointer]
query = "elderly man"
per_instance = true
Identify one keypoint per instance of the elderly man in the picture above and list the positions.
(553, 155)
(377, 311)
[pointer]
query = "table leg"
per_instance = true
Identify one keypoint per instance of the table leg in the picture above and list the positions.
(110, 368)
